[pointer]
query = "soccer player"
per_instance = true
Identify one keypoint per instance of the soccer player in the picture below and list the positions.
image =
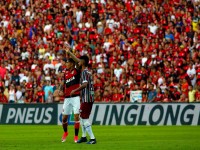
(87, 97)
(71, 102)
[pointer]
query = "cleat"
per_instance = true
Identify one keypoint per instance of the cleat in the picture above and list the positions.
(75, 139)
(65, 134)
(82, 139)
(92, 141)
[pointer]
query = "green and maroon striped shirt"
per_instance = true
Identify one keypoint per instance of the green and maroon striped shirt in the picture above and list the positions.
(87, 94)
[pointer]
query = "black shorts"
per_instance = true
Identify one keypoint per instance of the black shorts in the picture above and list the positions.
(85, 110)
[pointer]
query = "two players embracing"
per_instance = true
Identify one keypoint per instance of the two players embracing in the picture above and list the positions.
(79, 97)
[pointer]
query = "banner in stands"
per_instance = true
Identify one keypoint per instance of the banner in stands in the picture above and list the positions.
(146, 114)
(136, 96)
(29, 114)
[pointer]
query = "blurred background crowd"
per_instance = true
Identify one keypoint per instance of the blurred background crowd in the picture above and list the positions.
(148, 45)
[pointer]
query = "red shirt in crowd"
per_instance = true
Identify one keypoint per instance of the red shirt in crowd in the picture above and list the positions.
(2, 72)
(117, 97)
(197, 95)
(159, 97)
(3, 98)
(40, 95)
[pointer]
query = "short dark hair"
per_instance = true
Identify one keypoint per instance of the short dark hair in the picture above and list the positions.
(70, 60)
(86, 60)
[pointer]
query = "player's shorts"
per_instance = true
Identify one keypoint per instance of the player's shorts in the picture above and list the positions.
(71, 104)
(85, 110)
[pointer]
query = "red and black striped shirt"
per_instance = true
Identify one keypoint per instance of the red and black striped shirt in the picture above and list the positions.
(71, 80)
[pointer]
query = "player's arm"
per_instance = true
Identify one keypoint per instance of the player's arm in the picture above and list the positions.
(77, 60)
(84, 85)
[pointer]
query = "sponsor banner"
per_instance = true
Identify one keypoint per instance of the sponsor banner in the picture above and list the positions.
(146, 114)
(1, 108)
(29, 114)
(105, 114)
(136, 96)
(59, 116)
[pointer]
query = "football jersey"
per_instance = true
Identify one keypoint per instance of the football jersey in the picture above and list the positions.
(87, 94)
(72, 80)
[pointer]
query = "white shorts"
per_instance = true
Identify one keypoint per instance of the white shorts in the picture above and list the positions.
(71, 104)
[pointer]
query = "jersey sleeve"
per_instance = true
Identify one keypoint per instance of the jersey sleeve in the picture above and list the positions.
(84, 77)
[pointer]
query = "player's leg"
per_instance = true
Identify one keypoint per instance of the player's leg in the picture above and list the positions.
(88, 128)
(76, 109)
(65, 126)
(67, 109)
(76, 127)
(83, 137)
(83, 128)
(85, 123)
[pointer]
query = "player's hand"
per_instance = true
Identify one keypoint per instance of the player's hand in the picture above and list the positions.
(67, 49)
(72, 93)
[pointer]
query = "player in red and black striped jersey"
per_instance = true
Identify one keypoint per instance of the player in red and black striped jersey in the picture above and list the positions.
(87, 98)
(71, 80)
(71, 103)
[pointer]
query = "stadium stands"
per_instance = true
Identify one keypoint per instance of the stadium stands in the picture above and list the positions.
(153, 46)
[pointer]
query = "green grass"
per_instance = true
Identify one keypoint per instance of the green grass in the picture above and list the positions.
(42, 137)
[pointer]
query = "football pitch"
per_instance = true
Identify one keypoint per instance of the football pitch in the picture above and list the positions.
(48, 137)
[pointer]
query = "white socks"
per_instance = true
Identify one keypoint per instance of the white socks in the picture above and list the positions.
(86, 127)
(89, 131)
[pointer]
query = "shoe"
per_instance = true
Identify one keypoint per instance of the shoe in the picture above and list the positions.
(82, 139)
(65, 134)
(92, 141)
(75, 139)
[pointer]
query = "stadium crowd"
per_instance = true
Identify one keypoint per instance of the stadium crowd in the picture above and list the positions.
(148, 45)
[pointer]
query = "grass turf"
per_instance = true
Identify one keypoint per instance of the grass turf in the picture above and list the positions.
(42, 137)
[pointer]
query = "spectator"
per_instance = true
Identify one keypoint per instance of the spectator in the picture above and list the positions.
(19, 95)
(47, 88)
(175, 94)
(50, 97)
(197, 94)
(183, 98)
(118, 71)
(169, 36)
(191, 94)
(151, 93)
(48, 66)
(184, 87)
(166, 96)
(159, 95)
(191, 71)
(2, 83)
(15, 78)
(106, 96)
(3, 98)
(39, 98)
(11, 94)
(58, 94)
(2, 70)
(160, 35)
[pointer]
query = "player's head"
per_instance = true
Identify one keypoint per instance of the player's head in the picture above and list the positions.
(70, 63)
(84, 61)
